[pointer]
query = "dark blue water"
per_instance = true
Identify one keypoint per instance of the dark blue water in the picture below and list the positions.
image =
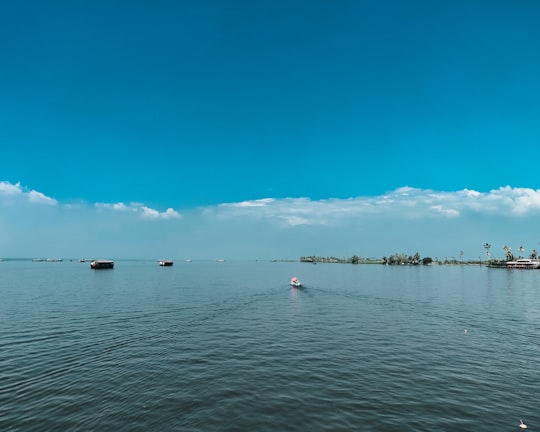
(207, 346)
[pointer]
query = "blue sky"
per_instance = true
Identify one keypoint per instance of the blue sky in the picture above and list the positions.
(265, 129)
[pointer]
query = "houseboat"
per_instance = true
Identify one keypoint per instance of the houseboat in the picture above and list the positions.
(524, 263)
(101, 264)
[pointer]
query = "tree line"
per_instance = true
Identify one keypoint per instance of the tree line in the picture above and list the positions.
(395, 259)
(416, 259)
(402, 259)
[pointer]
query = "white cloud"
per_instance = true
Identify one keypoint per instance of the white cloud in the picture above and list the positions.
(405, 202)
(255, 203)
(7, 188)
(405, 191)
(149, 213)
(138, 208)
(445, 211)
(9, 191)
(38, 197)
(119, 207)
(519, 200)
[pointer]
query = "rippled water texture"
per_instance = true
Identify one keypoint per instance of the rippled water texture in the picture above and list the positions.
(207, 346)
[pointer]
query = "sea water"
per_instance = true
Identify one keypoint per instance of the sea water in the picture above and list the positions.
(230, 346)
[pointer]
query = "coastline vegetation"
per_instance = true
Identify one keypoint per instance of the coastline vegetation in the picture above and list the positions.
(416, 259)
(395, 259)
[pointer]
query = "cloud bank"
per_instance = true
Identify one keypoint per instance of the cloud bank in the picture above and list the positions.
(404, 220)
(410, 203)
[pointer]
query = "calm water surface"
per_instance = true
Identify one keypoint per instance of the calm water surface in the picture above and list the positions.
(207, 346)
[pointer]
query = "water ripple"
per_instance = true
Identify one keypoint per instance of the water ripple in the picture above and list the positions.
(360, 348)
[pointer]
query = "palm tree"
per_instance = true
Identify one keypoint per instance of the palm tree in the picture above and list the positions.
(509, 255)
(486, 247)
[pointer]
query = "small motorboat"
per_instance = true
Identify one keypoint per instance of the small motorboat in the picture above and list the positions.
(166, 263)
(295, 282)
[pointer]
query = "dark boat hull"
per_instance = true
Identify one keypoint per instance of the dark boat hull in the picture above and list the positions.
(102, 264)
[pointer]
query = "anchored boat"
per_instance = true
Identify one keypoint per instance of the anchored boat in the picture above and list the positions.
(528, 264)
(101, 264)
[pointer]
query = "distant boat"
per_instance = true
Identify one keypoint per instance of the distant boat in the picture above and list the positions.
(295, 282)
(85, 260)
(220, 260)
(54, 259)
(188, 260)
(166, 263)
(101, 264)
(38, 260)
(523, 264)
